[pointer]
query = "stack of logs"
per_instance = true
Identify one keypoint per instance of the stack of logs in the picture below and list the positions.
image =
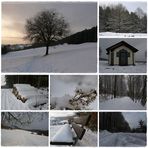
(83, 98)
(19, 89)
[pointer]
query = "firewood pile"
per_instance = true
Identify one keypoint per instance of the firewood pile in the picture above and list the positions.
(24, 91)
(83, 98)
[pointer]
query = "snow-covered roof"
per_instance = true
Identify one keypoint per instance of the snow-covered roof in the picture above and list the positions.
(122, 43)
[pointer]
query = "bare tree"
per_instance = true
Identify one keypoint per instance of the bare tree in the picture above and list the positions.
(46, 27)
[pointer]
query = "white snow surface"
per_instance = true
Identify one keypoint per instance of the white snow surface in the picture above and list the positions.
(89, 138)
(21, 87)
(123, 103)
(22, 138)
(10, 102)
(62, 58)
(122, 139)
(123, 34)
(64, 134)
(104, 67)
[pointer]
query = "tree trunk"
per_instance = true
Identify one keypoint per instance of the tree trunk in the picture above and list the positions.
(46, 50)
(115, 86)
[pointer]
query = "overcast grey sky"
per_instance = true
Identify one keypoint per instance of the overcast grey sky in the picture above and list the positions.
(80, 15)
(130, 5)
(66, 84)
(134, 117)
(139, 43)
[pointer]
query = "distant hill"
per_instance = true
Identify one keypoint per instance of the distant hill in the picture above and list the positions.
(87, 35)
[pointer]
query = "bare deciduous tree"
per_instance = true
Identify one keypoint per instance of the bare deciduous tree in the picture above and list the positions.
(46, 27)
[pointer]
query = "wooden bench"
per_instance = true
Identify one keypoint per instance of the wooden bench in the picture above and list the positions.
(75, 129)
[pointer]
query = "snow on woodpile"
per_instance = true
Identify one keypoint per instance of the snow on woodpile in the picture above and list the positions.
(23, 87)
(26, 91)
(82, 98)
(64, 134)
(35, 100)
(73, 92)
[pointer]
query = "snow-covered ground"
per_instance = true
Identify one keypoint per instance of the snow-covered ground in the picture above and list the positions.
(124, 103)
(10, 102)
(104, 67)
(122, 139)
(22, 138)
(69, 92)
(62, 58)
(89, 138)
(123, 34)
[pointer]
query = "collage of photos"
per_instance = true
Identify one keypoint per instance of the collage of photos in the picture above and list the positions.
(74, 74)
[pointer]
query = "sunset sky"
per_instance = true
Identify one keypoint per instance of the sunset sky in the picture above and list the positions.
(80, 15)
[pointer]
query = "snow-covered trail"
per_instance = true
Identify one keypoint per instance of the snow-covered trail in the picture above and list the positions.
(105, 68)
(62, 58)
(124, 103)
(22, 138)
(10, 102)
(122, 139)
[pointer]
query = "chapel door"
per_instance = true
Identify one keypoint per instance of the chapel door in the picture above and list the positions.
(123, 58)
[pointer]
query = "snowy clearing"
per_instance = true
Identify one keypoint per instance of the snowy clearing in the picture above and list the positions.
(86, 140)
(104, 67)
(62, 58)
(123, 34)
(122, 139)
(124, 103)
(10, 102)
(22, 138)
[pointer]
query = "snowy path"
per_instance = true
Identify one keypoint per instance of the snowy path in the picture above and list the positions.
(10, 102)
(22, 138)
(62, 58)
(122, 139)
(105, 68)
(124, 103)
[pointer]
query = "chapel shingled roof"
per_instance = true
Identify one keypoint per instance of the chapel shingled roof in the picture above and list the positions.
(121, 44)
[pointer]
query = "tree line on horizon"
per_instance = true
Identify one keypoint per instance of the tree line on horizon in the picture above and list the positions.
(34, 80)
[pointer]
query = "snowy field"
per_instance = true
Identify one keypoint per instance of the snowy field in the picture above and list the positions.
(89, 138)
(124, 103)
(62, 58)
(10, 102)
(104, 67)
(22, 138)
(122, 139)
(123, 34)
